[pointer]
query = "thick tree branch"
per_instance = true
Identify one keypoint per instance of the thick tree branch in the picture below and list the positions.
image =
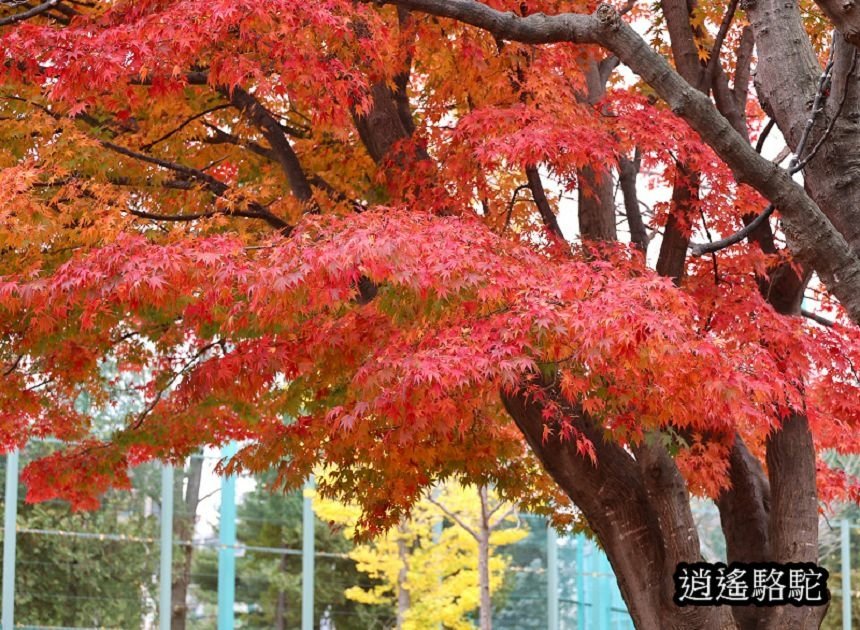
(811, 234)
(628, 170)
(683, 43)
(744, 515)
(845, 16)
(743, 67)
(213, 185)
(542, 203)
(29, 13)
(277, 139)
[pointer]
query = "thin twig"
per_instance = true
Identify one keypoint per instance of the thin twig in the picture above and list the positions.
(513, 200)
(160, 393)
(714, 59)
(185, 123)
(796, 165)
(759, 145)
(817, 318)
(713, 254)
(833, 120)
(453, 517)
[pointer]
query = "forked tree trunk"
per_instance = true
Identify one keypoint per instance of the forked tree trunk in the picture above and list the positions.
(637, 502)
(643, 531)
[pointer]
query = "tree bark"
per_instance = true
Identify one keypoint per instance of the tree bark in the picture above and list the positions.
(486, 606)
(640, 538)
(845, 15)
(595, 194)
(596, 205)
(745, 516)
(403, 598)
(628, 171)
(281, 604)
(183, 526)
(672, 261)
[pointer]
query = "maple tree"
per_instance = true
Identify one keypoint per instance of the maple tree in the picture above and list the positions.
(345, 213)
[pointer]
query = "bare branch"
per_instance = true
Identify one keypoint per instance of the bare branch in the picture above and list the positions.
(501, 518)
(628, 170)
(172, 217)
(511, 203)
(759, 145)
(454, 517)
(26, 15)
(213, 185)
(222, 136)
(795, 166)
(817, 318)
(743, 66)
(700, 249)
(185, 123)
(714, 59)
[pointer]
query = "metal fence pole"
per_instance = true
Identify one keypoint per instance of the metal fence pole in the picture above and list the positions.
(165, 580)
(602, 595)
(227, 546)
(845, 540)
(580, 582)
(308, 557)
(551, 578)
(10, 515)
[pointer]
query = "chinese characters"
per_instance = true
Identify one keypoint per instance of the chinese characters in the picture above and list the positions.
(759, 583)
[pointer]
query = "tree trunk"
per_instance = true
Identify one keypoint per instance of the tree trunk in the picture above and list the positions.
(183, 526)
(641, 539)
(403, 599)
(281, 605)
(628, 171)
(637, 502)
(486, 606)
(595, 194)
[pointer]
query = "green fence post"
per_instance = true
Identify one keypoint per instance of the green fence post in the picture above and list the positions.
(551, 578)
(165, 579)
(227, 546)
(845, 540)
(10, 515)
(580, 582)
(308, 557)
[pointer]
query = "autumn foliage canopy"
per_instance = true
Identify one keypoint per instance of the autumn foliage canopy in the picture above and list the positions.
(328, 230)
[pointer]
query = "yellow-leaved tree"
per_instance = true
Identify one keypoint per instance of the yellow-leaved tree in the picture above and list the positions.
(437, 566)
